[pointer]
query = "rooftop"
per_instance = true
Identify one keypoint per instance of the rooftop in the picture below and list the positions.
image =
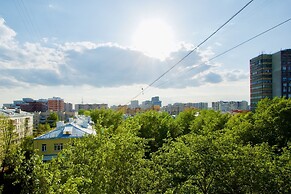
(74, 129)
(14, 113)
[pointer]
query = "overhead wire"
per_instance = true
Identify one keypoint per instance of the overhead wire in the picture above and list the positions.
(191, 51)
(33, 27)
(25, 16)
(234, 47)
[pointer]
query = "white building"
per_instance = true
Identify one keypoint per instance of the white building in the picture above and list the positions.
(134, 104)
(176, 108)
(228, 106)
(22, 121)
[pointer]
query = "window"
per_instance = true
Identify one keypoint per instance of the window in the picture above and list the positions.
(43, 147)
(58, 146)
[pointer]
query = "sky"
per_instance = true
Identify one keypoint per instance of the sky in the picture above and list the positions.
(111, 51)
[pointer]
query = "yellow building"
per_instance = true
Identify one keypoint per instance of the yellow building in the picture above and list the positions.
(50, 144)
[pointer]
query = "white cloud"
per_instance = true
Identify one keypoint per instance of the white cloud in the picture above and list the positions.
(7, 35)
(102, 65)
(78, 46)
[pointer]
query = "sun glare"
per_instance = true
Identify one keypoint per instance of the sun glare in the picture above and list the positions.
(154, 38)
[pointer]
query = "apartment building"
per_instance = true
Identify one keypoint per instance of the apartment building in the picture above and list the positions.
(22, 121)
(270, 76)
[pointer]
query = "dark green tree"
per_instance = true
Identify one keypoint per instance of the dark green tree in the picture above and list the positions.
(8, 139)
(106, 118)
(156, 127)
(209, 121)
(272, 121)
(52, 119)
(185, 119)
(42, 128)
(105, 163)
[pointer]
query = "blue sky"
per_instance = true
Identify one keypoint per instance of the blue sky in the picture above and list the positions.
(107, 51)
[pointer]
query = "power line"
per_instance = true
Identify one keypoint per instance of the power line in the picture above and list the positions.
(246, 41)
(190, 52)
(25, 16)
(238, 45)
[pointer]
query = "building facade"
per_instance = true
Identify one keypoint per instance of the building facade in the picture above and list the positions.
(176, 108)
(260, 78)
(281, 74)
(134, 104)
(22, 122)
(68, 107)
(270, 76)
(230, 106)
(90, 106)
(147, 104)
(56, 104)
(50, 144)
(156, 101)
(34, 106)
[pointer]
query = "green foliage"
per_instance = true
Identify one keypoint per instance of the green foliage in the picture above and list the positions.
(155, 153)
(84, 112)
(18, 174)
(7, 141)
(81, 112)
(209, 121)
(273, 122)
(106, 118)
(185, 119)
(241, 127)
(156, 127)
(42, 128)
(98, 164)
(52, 119)
(203, 164)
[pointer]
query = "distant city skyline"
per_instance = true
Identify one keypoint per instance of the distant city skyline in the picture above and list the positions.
(109, 51)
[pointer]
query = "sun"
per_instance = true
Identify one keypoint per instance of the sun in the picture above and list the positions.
(155, 38)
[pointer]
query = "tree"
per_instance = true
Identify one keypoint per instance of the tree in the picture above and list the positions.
(105, 163)
(84, 112)
(42, 128)
(156, 127)
(7, 138)
(16, 163)
(106, 118)
(185, 119)
(273, 122)
(241, 128)
(52, 119)
(209, 121)
(215, 164)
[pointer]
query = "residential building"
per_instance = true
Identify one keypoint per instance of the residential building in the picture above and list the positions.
(41, 117)
(156, 101)
(198, 105)
(281, 74)
(28, 105)
(50, 144)
(260, 78)
(90, 106)
(176, 108)
(56, 104)
(22, 121)
(229, 106)
(134, 104)
(270, 76)
(68, 107)
(146, 105)
(34, 106)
